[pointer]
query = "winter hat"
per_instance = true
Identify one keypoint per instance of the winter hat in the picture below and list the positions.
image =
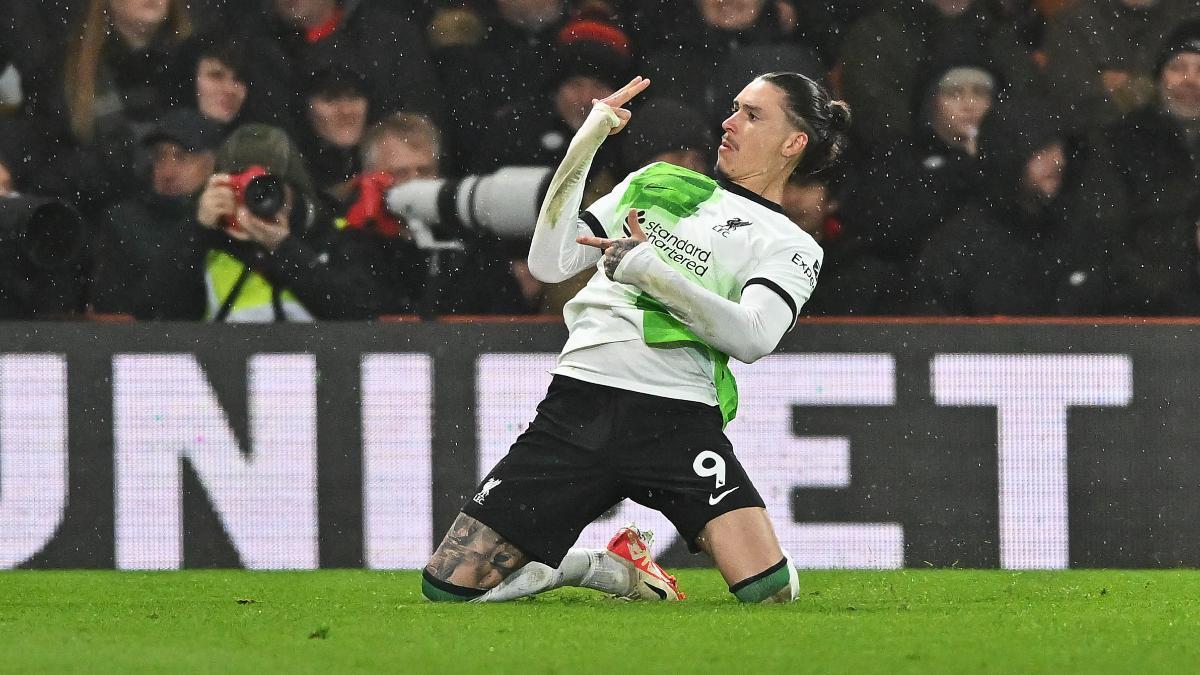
(189, 129)
(1184, 38)
(965, 76)
(590, 28)
(945, 75)
(663, 125)
(269, 147)
(338, 81)
(590, 47)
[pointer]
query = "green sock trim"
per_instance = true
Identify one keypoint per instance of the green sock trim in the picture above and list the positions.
(762, 586)
(437, 590)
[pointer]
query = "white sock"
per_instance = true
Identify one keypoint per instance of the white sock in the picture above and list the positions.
(583, 568)
(793, 580)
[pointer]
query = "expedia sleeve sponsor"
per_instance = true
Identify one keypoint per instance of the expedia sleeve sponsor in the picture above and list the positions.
(792, 272)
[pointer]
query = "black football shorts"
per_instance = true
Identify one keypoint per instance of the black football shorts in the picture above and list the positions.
(591, 446)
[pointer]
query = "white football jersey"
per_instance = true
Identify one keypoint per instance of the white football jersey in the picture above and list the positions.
(718, 235)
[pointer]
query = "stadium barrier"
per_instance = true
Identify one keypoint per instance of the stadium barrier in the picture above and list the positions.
(879, 444)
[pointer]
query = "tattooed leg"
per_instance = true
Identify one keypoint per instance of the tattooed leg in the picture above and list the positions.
(473, 555)
(475, 563)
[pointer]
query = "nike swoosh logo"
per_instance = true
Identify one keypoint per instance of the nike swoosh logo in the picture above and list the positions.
(658, 591)
(712, 501)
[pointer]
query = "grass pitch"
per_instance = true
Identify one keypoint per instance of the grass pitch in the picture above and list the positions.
(357, 621)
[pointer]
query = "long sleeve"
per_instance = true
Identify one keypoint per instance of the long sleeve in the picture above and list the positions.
(746, 330)
(554, 255)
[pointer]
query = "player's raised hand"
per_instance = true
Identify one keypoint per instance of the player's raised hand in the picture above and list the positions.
(620, 97)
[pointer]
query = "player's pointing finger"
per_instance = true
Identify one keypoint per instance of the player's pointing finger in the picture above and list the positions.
(635, 227)
(594, 241)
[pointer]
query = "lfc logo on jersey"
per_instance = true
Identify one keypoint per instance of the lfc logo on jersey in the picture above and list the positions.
(729, 226)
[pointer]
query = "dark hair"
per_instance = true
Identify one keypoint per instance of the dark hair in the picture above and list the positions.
(812, 110)
(228, 52)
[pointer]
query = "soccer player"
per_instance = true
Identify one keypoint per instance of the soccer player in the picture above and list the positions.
(691, 272)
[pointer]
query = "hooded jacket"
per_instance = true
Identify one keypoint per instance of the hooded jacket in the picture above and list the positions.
(884, 53)
(904, 192)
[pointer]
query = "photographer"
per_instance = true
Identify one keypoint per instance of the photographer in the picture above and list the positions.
(470, 275)
(264, 247)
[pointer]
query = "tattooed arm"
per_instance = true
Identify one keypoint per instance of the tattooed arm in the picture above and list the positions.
(473, 556)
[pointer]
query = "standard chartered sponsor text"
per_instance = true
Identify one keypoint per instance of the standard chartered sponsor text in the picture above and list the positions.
(678, 249)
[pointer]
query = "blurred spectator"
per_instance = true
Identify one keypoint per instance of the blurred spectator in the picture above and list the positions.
(589, 65)
(666, 131)
(42, 257)
(218, 85)
(122, 73)
(292, 265)
(1156, 154)
(139, 231)
(335, 119)
(905, 191)
(693, 60)
(292, 40)
(884, 54)
(1100, 57)
(1036, 239)
(824, 23)
(490, 61)
(123, 66)
(475, 278)
(405, 146)
(720, 26)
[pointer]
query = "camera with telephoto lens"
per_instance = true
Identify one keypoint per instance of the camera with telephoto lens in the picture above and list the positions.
(259, 191)
(47, 232)
(440, 212)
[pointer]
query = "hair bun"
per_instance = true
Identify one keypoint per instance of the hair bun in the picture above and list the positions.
(839, 116)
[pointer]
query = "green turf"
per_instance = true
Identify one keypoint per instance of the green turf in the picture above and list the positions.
(357, 621)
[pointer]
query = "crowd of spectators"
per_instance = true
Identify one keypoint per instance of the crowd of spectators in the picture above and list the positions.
(1009, 157)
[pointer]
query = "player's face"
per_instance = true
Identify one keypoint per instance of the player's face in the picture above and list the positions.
(759, 138)
(1180, 85)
